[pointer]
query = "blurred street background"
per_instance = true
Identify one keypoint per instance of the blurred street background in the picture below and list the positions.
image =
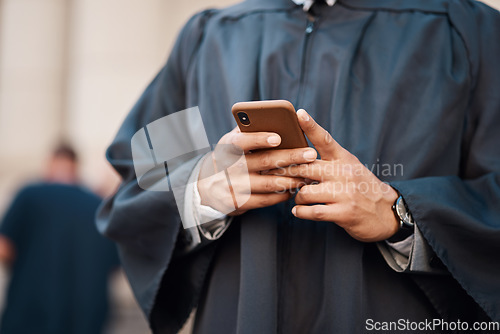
(72, 69)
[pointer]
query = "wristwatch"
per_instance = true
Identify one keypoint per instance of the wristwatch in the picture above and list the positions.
(403, 215)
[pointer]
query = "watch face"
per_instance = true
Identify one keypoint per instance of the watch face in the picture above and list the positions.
(403, 213)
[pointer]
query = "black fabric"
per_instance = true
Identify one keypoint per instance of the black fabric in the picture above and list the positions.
(397, 83)
(59, 278)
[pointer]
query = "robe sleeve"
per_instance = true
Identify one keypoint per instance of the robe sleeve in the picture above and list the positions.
(16, 219)
(146, 224)
(459, 216)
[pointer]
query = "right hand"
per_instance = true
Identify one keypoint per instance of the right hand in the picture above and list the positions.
(265, 190)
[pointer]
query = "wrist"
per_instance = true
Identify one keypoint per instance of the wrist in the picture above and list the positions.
(203, 178)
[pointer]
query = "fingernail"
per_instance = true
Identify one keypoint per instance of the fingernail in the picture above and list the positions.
(274, 140)
(309, 154)
(303, 115)
(294, 211)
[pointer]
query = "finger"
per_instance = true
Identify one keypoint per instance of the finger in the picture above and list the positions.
(318, 170)
(265, 160)
(326, 192)
(327, 147)
(249, 141)
(274, 184)
(330, 213)
(264, 200)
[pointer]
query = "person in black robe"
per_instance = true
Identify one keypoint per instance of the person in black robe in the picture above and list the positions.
(396, 83)
(58, 262)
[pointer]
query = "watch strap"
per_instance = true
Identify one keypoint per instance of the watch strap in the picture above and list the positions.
(405, 230)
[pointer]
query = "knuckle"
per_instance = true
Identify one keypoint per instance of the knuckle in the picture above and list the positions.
(265, 201)
(265, 161)
(352, 229)
(328, 138)
(353, 205)
(294, 157)
(318, 213)
(259, 141)
(269, 185)
(235, 139)
(241, 164)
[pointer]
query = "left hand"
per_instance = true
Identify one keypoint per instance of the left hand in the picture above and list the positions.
(346, 192)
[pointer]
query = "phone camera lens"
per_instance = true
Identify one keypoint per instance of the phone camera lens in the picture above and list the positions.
(243, 118)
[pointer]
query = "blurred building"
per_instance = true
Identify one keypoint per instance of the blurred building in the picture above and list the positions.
(74, 68)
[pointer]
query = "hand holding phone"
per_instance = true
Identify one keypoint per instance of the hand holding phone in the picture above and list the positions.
(260, 147)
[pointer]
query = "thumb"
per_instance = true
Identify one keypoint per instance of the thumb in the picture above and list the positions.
(324, 143)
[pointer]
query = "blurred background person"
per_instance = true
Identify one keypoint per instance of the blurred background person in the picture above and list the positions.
(59, 263)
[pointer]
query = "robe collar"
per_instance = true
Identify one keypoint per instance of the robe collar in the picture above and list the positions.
(306, 4)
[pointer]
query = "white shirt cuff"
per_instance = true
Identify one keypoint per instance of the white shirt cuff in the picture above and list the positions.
(412, 254)
(208, 222)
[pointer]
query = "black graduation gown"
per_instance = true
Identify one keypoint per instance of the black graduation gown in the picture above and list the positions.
(411, 83)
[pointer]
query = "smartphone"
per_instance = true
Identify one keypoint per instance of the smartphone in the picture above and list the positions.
(276, 116)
